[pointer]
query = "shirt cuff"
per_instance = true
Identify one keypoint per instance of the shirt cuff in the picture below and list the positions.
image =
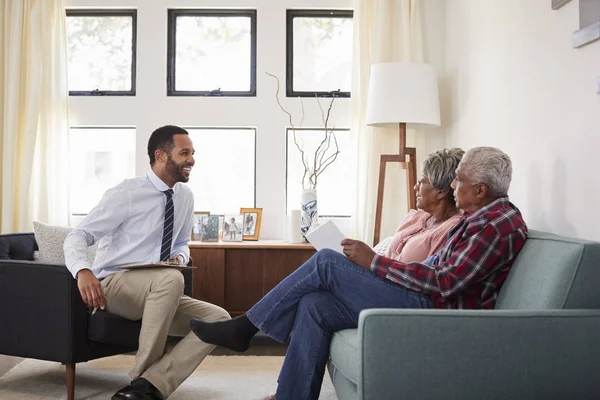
(78, 266)
(376, 267)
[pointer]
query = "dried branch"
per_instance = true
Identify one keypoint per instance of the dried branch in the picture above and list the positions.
(320, 162)
(327, 134)
(300, 148)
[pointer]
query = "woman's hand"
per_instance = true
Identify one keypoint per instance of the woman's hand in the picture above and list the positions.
(358, 252)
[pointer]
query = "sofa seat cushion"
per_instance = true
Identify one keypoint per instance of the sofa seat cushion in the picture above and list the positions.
(105, 327)
(343, 354)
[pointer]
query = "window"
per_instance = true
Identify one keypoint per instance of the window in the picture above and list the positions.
(211, 53)
(101, 51)
(335, 186)
(223, 178)
(319, 53)
(100, 158)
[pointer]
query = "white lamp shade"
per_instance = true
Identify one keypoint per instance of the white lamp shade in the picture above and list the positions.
(403, 92)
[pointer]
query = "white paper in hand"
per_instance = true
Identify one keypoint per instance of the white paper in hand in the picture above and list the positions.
(326, 236)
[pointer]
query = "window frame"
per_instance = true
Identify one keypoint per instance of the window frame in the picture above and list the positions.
(172, 14)
(230, 128)
(288, 129)
(290, 15)
(111, 13)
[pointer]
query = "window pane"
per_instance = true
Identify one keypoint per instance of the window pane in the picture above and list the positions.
(100, 53)
(335, 186)
(223, 176)
(322, 54)
(212, 53)
(100, 158)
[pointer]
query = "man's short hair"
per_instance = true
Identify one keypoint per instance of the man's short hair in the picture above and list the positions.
(162, 139)
(490, 166)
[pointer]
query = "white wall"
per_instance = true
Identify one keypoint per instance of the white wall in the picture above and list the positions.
(517, 84)
(151, 108)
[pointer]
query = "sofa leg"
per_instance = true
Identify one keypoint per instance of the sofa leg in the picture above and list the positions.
(70, 381)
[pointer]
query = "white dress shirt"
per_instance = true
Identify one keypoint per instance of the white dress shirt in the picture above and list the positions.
(128, 226)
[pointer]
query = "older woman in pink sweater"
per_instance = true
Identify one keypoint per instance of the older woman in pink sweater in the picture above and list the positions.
(423, 231)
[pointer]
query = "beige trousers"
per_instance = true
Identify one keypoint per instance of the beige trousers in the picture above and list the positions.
(156, 297)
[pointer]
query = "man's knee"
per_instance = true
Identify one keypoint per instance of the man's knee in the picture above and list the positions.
(171, 278)
(314, 304)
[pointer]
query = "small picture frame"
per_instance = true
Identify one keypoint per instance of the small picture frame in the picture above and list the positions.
(210, 228)
(197, 232)
(252, 218)
(232, 228)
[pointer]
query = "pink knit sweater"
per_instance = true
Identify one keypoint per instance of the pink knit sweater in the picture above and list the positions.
(413, 241)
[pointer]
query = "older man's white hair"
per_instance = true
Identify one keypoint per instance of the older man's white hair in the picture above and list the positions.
(490, 166)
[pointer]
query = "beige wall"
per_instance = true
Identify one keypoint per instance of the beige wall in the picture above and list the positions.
(516, 83)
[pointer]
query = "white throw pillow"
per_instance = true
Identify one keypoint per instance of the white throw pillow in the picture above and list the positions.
(50, 240)
(382, 247)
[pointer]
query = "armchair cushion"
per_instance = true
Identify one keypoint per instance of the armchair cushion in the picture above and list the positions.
(51, 239)
(105, 327)
(17, 246)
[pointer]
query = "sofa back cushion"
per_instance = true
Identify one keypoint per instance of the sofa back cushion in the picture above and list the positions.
(17, 246)
(553, 272)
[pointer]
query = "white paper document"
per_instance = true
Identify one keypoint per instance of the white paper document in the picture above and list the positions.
(326, 236)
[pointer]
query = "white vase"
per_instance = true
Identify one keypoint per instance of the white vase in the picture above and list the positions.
(308, 206)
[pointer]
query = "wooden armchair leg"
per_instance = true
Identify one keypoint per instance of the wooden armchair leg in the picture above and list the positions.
(70, 381)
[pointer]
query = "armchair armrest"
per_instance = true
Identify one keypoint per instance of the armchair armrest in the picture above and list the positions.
(41, 311)
(460, 354)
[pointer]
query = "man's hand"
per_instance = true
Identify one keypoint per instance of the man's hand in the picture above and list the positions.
(90, 289)
(178, 259)
(358, 252)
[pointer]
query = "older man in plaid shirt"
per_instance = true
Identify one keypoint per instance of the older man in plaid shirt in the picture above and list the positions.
(327, 293)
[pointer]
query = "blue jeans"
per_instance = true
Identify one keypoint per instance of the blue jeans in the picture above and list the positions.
(323, 296)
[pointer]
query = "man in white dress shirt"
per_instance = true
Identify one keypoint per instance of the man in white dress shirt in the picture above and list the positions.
(146, 220)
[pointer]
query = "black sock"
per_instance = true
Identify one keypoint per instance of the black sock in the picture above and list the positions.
(235, 334)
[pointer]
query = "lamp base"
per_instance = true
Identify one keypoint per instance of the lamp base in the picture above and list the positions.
(408, 160)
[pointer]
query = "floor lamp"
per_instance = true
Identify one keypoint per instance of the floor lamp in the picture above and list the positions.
(401, 94)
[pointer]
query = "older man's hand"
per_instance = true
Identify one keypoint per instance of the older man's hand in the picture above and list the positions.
(358, 252)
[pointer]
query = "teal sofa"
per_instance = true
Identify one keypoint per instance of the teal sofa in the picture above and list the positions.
(541, 342)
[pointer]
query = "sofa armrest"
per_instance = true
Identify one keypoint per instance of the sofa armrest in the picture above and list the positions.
(41, 311)
(459, 354)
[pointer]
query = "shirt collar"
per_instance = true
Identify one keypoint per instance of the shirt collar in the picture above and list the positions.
(158, 183)
(501, 202)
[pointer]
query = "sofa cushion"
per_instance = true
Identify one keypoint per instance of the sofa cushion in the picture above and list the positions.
(105, 327)
(51, 239)
(344, 354)
(553, 272)
(382, 247)
(17, 246)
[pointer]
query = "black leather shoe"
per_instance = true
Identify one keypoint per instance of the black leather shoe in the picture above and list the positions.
(139, 389)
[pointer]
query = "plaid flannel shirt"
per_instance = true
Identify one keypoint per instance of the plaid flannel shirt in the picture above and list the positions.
(474, 262)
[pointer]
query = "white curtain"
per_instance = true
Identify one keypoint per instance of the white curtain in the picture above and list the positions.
(33, 114)
(384, 31)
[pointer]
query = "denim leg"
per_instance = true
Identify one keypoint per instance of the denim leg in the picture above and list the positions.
(329, 271)
(319, 315)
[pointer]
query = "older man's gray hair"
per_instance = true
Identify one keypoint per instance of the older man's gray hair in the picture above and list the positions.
(490, 166)
(440, 168)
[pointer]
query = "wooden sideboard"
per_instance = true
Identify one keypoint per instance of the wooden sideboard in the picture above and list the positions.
(235, 275)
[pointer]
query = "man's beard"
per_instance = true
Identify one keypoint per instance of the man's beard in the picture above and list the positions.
(175, 170)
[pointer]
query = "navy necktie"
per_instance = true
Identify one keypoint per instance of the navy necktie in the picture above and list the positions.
(165, 249)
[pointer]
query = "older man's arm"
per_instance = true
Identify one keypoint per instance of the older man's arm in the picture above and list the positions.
(473, 258)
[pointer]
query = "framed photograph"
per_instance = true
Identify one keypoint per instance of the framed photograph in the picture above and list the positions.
(197, 227)
(210, 228)
(232, 228)
(252, 218)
